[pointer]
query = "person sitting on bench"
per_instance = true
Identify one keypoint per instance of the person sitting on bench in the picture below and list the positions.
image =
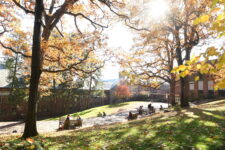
(66, 124)
(78, 122)
(103, 114)
(151, 109)
(129, 116)
(99, 114)
(161, 107)
(140, 110)
(78, 117)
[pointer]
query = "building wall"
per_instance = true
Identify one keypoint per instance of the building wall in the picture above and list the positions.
(201, 89)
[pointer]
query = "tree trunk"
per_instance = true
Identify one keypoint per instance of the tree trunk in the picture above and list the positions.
(30, 124)
(172, 91)
(184, 89)
(89, 99)
(14, 77)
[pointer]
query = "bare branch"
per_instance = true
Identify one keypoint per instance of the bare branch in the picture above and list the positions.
(75, 22)
(59, 31)
(4, 29)
(89, 72)
(85, 17)
(135, 28)
(109, 5)
(22, 7)
(70, 66)
(51, 6)
(13, 50)
(98, 7)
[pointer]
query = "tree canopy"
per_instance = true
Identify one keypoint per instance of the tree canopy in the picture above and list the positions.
(67, 43)
(55, 50)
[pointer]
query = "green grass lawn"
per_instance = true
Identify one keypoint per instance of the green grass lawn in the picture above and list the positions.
(198, 128)
(108, 109)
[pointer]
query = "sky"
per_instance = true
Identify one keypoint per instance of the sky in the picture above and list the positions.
(119, 38)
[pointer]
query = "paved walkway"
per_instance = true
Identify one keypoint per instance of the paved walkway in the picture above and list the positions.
(49, 126)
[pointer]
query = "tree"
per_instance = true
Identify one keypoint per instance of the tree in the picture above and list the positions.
(151, 65)
(16, 65)
(30, 124)
(187, 35)
(184, 34)
(211, 62)
(95, 84)
(122, 91)
(48, 48)
(17, 80)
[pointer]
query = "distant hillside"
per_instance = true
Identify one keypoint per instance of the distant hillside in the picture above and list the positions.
(108, 84)
(2, 66)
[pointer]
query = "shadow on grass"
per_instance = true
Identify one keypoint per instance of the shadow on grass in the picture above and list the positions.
(220, 103)
(11, 125)
(181, 132)
(117, 105)
(197, 129)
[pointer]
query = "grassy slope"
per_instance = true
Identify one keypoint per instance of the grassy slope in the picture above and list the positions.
(201, 127)
(108, 109)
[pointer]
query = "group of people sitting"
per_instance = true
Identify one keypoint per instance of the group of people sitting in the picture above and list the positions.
(67, 123)
(103, 114)
(151, 110)
(131, 116)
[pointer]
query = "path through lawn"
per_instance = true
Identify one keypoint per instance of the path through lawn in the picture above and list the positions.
(115, 113)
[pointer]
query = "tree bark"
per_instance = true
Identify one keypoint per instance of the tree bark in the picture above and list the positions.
(30, 123)
(172, 91)
(89, 91)
(184, 91)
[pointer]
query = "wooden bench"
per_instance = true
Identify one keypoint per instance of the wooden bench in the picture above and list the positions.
(73, 123)
(151, 110)
(134, 116)
(144, 111)
(61, 121)
(76, 123)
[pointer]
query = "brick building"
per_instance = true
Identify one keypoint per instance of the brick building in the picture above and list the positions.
(202, 89)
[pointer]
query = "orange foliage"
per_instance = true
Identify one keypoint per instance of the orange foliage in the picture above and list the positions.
(122, 91)
(63, 48)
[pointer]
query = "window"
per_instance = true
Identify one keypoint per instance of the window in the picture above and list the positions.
(210, 85)
(200, 85)
(192, 85)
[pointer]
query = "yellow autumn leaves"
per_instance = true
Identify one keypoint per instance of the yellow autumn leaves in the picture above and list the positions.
(212, 61)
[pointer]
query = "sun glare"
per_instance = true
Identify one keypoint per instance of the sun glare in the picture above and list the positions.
(120, 37)
(158, 9)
